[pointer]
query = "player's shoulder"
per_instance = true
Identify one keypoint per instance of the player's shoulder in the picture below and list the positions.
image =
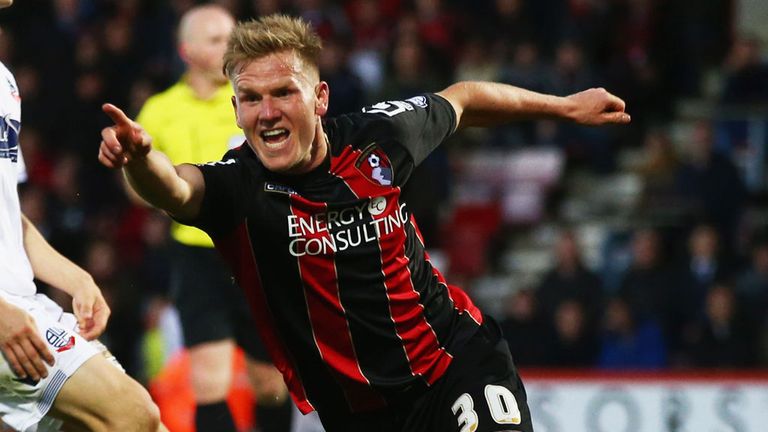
(391, 112)
(381, 118)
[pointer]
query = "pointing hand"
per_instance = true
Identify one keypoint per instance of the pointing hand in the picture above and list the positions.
(123, 142)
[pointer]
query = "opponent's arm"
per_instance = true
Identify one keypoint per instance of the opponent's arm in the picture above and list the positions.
(53, 268)
(488, 104)
(176, 189)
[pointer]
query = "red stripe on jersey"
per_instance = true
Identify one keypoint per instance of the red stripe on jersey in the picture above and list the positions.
(460, 299)
(425, 355)
(326, 313)
(237, 249)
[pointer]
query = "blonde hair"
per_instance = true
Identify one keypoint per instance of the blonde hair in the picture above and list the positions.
(271, 34)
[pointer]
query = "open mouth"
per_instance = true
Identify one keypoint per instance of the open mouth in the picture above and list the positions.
(274, 137)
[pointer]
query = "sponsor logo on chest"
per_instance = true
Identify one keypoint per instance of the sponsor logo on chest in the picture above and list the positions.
(340, 230)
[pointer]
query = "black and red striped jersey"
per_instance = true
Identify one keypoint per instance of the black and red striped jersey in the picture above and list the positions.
(344, 294)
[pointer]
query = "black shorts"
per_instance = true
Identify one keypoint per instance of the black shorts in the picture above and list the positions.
(211, 305)
(481, 391)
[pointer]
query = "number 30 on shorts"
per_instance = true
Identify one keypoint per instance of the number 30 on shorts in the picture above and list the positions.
(501, 404)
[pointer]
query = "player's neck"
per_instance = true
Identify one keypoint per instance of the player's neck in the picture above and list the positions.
(318, 153)
(201, 84)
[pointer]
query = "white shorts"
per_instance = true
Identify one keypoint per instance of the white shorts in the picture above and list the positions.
(24, 404)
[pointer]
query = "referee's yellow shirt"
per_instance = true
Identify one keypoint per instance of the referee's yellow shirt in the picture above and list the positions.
(191, 130)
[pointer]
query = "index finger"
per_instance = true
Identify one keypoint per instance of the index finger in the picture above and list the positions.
(116, 114)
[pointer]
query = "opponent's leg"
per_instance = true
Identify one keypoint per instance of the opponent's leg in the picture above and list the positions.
(211, 377)
(100, 397)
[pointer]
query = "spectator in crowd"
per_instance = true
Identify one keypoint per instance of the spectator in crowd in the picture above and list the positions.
(568, 343)
(327, 17)
(647, 286)
(526, 68)
(571, 70)
(722, 338)
(523, 328)
(509, 21)
(710, 185)
(437, 28)
(746, 74)
(66, 207)
(659, 170)
(571, 280)
(752, 284)
(411, 70)
(370, 28)
(474, 63)
(704, 266)
(348, 94)
(629, 343)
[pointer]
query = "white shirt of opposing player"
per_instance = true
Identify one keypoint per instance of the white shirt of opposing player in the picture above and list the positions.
(15, 271)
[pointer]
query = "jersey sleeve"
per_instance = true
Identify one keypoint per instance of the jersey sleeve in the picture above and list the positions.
(222, 208)
(418, 124)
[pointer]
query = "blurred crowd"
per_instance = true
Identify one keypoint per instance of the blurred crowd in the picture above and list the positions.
(704, 310)
(693, 290)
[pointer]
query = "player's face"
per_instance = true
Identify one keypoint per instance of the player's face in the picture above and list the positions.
(5, 3)
(279, 102)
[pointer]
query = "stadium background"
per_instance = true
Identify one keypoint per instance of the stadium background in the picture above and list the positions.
(630, 248)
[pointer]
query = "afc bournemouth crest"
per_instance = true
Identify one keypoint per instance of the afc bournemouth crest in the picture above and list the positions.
(375, 166)
(59, 339)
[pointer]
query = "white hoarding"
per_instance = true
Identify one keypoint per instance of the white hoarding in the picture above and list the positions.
(643, 403)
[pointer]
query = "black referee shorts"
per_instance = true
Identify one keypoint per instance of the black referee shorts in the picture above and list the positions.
(481, 391)
(210, 304)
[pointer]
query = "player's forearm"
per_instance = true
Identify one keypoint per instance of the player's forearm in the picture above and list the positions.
(489, 104)
(156, 180)
(48, 265)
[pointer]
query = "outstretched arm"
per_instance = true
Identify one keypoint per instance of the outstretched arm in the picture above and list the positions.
(176, 189)
(488, 104)
(57, 271)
